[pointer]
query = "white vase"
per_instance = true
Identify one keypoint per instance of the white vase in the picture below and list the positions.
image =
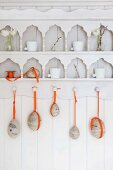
(100, 72)
(55, 73)
(78, 45)
(32, 45)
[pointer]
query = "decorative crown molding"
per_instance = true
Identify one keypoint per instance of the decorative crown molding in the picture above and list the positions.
(63, 5)
(58, 14)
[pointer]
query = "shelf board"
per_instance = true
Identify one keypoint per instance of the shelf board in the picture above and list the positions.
(73, 79)
(65, 79)
(57, 53)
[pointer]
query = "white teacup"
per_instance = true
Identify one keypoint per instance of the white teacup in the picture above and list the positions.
(100, 72)
(32, 45)
(78, 45)
(55, 73)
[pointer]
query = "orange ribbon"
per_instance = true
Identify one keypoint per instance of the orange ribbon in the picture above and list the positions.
(98, 103)
(35, 95)
(35, 107)
(54, 94)
(54, 101)
(75, 101)
(100, 123)
(31, 69)
(14, 102)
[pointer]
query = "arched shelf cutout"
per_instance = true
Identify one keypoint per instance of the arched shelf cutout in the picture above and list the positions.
(107, 41)
(77, 69)
(5, 39)
(9, 65)
(32, 62)
(77, 33)
(101, 63)
(55, 39)
(32, 33)
(54, 63)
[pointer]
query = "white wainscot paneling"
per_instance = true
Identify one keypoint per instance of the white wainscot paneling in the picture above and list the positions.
(51, 147)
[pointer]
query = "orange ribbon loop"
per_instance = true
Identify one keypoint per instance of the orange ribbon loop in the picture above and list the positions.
(35, 101)
(54, 94)
(75, 101)
(100, 124)
(14, 103)
(98, 103)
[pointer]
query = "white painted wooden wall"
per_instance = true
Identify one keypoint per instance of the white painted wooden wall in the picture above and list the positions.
(51, 148)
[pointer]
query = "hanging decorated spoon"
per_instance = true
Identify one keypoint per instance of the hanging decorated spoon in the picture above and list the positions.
(54, 109)
(14, 126)
(96, 125)
(74, 132)
(34, 117)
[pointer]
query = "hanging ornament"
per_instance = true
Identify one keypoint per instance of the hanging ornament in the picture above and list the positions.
(54, 109)
(96, 125)
(74, 132)
(34, 117)
(14, 126)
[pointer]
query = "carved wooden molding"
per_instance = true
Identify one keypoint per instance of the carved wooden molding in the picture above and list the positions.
(63, 5)
(56, 14)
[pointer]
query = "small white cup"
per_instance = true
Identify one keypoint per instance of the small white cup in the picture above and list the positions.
(55, 73)
(78, 45)
(100, 72)
(32, 45)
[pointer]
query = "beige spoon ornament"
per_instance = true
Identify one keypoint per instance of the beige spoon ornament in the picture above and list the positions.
(34, 117)
(14, 126)
(74, 132)
(96, 124)
(54, 109)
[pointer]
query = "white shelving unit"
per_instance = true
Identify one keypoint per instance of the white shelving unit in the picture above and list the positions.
(51, 148)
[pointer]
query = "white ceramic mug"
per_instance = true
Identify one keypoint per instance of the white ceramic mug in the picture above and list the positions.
(78, 45)
(32, 45)
(55, 73)
(100, 72)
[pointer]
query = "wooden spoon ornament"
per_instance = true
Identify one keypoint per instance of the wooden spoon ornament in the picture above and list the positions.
(96, 124)
(14, 126)
(54, 109)
(74, 132)
(34, 117)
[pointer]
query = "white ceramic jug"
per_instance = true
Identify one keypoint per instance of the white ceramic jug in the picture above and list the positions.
(55, 73)
(78, 45)
(32, 45)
